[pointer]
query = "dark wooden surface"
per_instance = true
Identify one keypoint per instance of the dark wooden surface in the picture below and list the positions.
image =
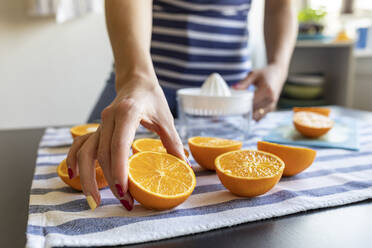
(17, 162)
(346, 226)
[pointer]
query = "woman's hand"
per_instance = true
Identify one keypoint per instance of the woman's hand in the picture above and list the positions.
(140, 100)
(269, 82)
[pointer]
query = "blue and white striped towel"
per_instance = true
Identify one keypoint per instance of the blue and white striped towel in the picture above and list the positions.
(60, 216)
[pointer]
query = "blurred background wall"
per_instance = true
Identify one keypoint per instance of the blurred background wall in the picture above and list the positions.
(50, 74)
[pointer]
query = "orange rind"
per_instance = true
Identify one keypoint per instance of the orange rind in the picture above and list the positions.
(296, 159)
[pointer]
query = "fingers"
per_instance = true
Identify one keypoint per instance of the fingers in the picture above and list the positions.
(71, 157)
(86, 157)
(259, 113)
(246, 82)
(104, 146)
(172, 142)
(263, 101)
(168, 135)
(107, 128)
(126, 123)
(263, 94)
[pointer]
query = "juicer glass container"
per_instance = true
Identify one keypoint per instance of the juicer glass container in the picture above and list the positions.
(226, 117)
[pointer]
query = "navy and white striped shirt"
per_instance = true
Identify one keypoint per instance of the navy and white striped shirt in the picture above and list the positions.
(193, 38)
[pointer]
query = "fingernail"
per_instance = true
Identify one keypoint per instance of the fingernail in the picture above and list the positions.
(188, 161)
(127, 201)
(91, 202)
(119, 189)
(70, 173)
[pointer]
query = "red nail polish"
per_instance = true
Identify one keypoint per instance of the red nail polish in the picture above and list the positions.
(70, 173)
(127, 205)
(127, 201)
(119, 189)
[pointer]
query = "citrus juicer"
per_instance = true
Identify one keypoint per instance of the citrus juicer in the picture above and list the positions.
(215, 110)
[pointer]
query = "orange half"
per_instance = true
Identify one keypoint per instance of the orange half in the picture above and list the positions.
(206, 149)
(159, 180)
(248, 172)
(75, 182)
(296, 159)
(311, 124)
(81, 130)
(148, 144)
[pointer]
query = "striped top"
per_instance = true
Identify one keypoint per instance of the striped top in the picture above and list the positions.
(193, 38)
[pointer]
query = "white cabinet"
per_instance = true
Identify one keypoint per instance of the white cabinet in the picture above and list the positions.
(363, 81)
(335, 61)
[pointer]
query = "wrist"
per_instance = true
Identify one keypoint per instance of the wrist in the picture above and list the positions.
(136, 80)
(281, 69)
(280, 64)
(135, 61)
(135, 74)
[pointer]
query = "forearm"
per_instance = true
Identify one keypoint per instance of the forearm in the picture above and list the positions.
(280, 30)
(129, 25)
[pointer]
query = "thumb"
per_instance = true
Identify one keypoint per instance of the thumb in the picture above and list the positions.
(246, 82)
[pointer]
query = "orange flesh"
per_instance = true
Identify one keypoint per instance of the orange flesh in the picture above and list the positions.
(213, 142)
(312, 120)
(154, 145)
(251, 164)
(84, 129)
(149, 144)
(249, 173)
(161, 175)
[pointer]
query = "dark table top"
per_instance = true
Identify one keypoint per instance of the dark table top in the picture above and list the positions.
(345, 226)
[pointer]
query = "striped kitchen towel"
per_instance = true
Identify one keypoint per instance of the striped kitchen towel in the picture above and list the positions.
(60, 216)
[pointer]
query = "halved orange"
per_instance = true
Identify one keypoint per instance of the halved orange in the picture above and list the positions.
(206, 149)
(75, 182)
(148, 144)
(248, 172)
(318, 110)
(296, 159)
(159, 180)
(83, 129)
(311, 124)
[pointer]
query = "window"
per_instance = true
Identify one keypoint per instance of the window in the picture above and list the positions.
(363, 5)
(344, 6)
(331, 6)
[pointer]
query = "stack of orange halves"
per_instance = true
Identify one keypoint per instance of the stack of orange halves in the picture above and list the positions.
(161, 181)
